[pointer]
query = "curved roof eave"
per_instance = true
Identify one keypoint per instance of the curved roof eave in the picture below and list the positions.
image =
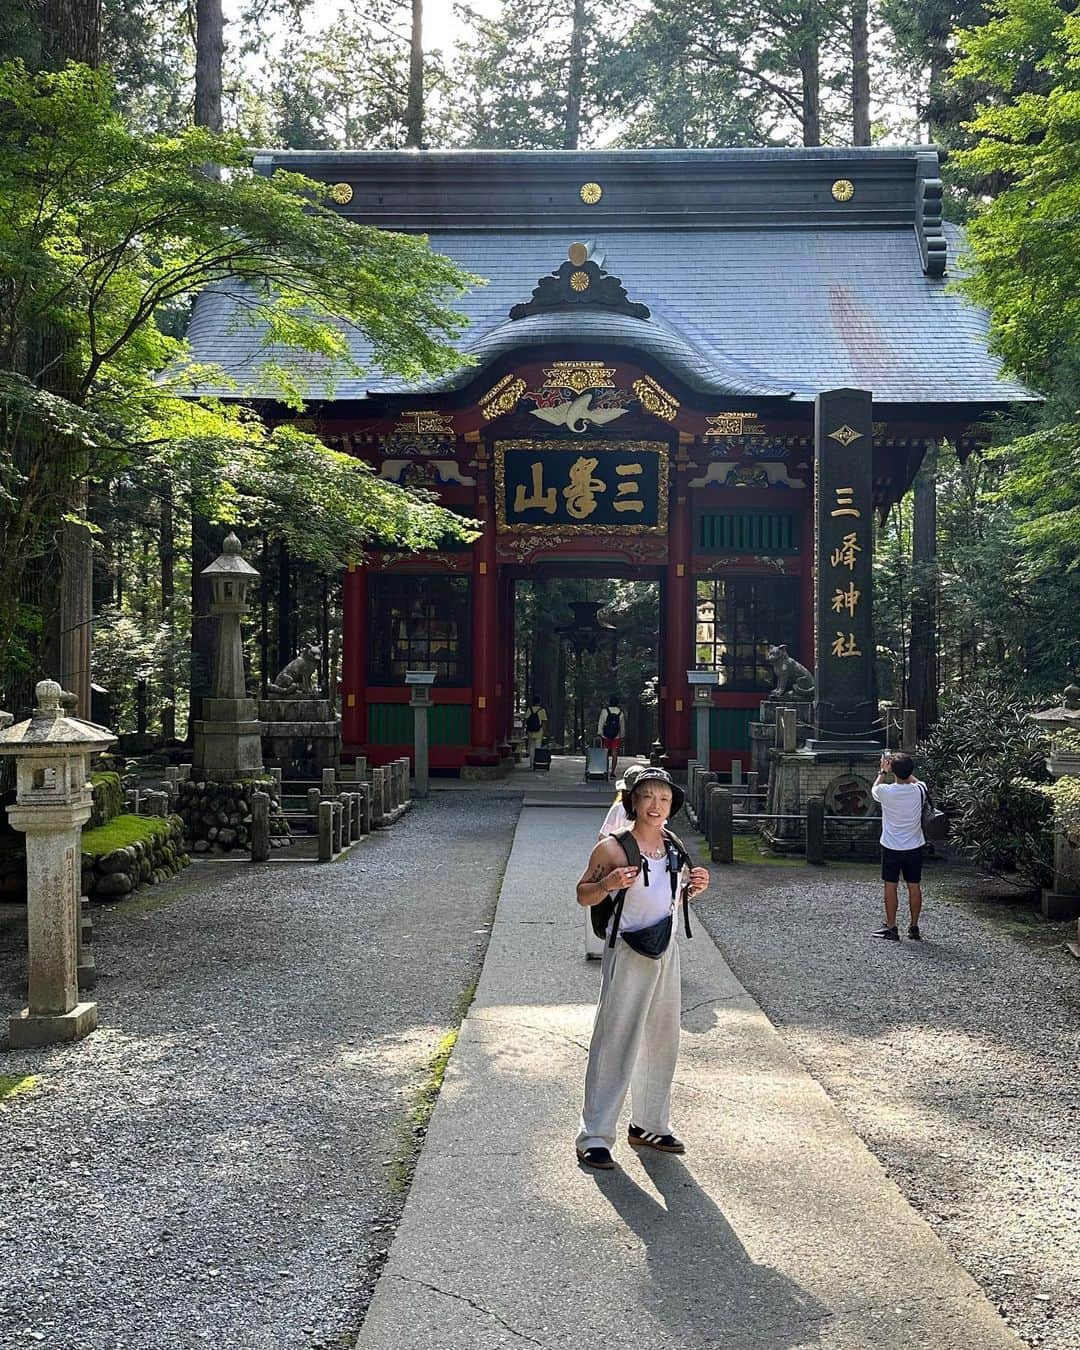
(713, 375)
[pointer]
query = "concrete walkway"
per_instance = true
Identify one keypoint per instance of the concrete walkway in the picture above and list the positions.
(778, 1229)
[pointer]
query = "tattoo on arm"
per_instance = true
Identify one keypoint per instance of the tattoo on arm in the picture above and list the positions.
(596, 873)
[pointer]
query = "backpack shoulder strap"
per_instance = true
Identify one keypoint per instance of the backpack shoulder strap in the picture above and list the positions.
(683, 858)
(629, 845)
(680, 847)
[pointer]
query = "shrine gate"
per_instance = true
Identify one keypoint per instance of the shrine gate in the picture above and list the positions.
(646, 356)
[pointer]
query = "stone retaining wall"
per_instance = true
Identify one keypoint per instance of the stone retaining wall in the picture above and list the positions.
(217, 815)
(158, 855)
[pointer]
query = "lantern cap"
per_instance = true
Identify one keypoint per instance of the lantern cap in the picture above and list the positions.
(230, 561)
(51, 726)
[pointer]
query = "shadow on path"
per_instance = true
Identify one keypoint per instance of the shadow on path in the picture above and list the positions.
(705, 1288)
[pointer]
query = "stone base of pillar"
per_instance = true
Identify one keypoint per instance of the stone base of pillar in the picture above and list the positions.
(844, 779)
(1060, 904)
(30, 1030)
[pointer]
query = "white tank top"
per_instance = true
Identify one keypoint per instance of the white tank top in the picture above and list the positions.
(646, 905)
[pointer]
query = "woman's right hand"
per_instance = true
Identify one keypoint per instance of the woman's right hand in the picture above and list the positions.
(620, 878)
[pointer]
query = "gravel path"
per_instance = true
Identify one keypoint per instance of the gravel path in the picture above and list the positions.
(216, 1163)
(955, 1059)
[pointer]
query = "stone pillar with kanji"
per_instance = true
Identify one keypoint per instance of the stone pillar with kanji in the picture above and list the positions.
(846, 704)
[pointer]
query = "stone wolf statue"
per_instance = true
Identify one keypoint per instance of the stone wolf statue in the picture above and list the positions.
(793, 681)
(297, 678)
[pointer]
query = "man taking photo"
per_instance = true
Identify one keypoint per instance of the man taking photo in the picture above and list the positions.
(902, 840)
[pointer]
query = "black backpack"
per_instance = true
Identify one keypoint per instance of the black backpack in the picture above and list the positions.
(611, 905)
(612, 725)
(533, 723)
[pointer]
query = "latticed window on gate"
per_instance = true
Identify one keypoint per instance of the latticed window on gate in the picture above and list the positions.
(737, 620)
(420, 623)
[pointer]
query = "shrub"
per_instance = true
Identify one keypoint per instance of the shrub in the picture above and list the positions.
(987, 763)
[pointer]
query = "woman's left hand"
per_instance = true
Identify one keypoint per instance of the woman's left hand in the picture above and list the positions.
(699, 881)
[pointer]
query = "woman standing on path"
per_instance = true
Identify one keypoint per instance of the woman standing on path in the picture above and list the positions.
(635, 1039)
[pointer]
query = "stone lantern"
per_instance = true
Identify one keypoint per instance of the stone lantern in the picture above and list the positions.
(1063, 902)
(227, 740)
(53, 802)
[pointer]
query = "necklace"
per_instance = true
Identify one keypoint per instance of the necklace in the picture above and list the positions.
(649, 853)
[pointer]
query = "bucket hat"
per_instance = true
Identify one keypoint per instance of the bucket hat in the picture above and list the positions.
(649, 774)
(630, 776)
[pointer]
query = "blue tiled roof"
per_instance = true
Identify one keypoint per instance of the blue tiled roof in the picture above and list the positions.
(738, 311)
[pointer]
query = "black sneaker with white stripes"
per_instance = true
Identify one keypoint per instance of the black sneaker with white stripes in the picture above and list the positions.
(663, 1143)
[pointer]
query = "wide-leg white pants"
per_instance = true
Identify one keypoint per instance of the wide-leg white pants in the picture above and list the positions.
(634, 1046)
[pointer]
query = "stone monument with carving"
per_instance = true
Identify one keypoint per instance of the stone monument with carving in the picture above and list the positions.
(301, 733)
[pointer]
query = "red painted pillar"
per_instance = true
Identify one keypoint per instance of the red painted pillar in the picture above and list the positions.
(485, 607)
(353, 647)
(677, 646)
(506, 654)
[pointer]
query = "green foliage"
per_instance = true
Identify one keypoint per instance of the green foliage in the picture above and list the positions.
(1002, 604)
(986, 762)
(706, 72)
(1026, 243)
(514, 73)
(101, 231)
(346, 85)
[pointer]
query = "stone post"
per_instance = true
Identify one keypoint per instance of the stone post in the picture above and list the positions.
(275, 774)
(721, 827)
(329, 782)
(314, 797)
(378, 798)
(53, 802)
(360, 769)
(364, 794)
(260, 826)
(910, 734)
(736, 773)
(702, 683)
(337, 828)
(406, 795)
(183, 772)
(355, 815)
(704, 782)
(815, 829)
(326, 831)
(419, 683)
(787, 728)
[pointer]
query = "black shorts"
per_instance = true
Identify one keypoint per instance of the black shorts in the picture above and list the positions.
(901, 861)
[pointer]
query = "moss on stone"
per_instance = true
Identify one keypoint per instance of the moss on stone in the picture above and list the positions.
(108, 797)
(123, 831)
(412, 1129)
(12, 1085)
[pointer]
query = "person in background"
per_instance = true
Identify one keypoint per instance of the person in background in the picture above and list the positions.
(902, 840)
(611, 728)
(536, 720)
(616, 819)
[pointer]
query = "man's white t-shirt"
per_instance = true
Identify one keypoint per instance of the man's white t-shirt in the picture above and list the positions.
(901, 814)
